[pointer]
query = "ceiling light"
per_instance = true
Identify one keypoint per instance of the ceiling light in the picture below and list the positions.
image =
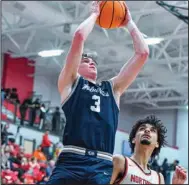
(153, 40)
(50, 53)
(187, 107)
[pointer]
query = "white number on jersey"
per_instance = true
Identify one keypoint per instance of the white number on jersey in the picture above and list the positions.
(96, 108)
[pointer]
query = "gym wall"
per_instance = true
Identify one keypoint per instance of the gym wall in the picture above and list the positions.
(47, 86)
(15, 75)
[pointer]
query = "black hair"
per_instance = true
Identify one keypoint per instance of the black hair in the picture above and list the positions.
(161, 132)
(14, 89)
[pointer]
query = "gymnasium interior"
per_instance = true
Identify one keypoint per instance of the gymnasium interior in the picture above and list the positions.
(35, 39)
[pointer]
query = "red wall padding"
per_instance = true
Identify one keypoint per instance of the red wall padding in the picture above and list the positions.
(15, 74)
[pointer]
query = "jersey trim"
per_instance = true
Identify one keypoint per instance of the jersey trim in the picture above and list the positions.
(125, 171)
(148, 174)
(111, 84)
(72, 91)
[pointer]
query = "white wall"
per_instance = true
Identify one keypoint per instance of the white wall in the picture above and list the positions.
(182, 136)
(47, 87)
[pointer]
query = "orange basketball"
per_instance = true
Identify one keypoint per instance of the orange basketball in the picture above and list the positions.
(112, 14)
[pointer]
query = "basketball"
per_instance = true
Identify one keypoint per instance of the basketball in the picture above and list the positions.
(112, 14)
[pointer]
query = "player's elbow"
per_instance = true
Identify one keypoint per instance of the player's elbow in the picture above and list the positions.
(146, 52)
(143, 55)
(79, 36)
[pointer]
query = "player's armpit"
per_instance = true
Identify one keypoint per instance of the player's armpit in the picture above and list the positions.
(118, 168)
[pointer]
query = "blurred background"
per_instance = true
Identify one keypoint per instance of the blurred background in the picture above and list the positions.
(35, 39)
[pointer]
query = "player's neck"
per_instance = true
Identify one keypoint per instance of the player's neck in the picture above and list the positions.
(141, 157)
(91, 80)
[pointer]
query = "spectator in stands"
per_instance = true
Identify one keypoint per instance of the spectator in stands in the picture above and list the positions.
(155, 166)
(58, 148)
(46, 144)
(50, 167)
(5, 155)
(165, 169)
(34, 108)
(39, 155)
(174, 164)
(23, 108)
(4, 134)
(2, 95)
(14, 96)
(34, 164)
(56, 119)
(25, 164)
(7, 93)
(43, 112)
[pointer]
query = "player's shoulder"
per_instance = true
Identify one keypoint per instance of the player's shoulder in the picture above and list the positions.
(117, 158)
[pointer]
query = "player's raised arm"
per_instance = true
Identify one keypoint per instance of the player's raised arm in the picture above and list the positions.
(131, 69)
(69, 72)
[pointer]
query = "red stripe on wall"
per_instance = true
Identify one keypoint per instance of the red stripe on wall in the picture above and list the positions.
(15, 75)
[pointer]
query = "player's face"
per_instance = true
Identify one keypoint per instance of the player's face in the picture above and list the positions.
(88, 68)
(146, 135)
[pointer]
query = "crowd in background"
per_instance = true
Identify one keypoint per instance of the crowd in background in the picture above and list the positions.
(19, 167)
(165, 168)
(35, 108)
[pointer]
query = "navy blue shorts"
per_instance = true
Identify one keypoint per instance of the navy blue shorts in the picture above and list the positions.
(81, 169)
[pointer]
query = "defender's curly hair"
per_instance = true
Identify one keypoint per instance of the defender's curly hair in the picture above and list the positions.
(161, 132)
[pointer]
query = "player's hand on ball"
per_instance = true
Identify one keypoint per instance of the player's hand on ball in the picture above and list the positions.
(127, 16)
(95, 8)
(179, 176)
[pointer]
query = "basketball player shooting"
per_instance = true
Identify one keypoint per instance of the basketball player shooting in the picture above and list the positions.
(92, 109)
(146, 139)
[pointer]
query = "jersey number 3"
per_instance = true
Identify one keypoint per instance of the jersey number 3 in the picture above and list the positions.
(96, 108)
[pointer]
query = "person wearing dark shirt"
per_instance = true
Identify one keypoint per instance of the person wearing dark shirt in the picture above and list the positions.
(2, 95)
(23, 108)
(56, 119)
(7, 93)
(35, 106)
(165, 169)
(43, 112)
(14, 96)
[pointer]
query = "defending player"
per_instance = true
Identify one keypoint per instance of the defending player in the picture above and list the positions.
(146, 139)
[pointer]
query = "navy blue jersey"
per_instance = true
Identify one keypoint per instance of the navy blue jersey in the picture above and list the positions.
(91, 116)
